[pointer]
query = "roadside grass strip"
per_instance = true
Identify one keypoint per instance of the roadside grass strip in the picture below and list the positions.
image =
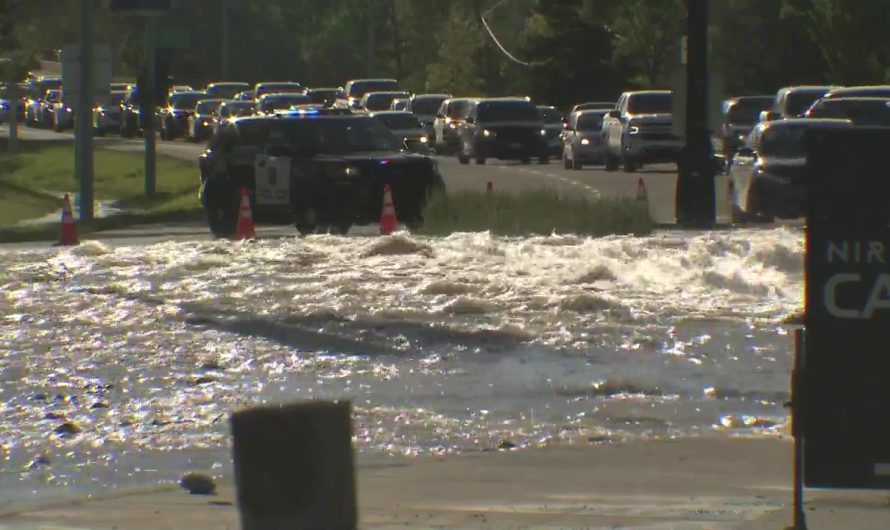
(33, 182)
(536, 212)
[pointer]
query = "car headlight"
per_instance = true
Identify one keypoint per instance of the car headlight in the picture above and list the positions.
(424, 139)
(68, 109)
(452, 125)
(351, 171)
(585, 141)
(543, 132)
(633, 130)
(488, 134)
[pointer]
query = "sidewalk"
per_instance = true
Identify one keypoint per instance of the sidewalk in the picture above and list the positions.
(684, 484)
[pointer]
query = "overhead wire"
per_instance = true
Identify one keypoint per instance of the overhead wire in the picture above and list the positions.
(495, 38)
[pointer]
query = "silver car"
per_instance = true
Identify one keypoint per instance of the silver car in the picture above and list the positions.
(582, 140)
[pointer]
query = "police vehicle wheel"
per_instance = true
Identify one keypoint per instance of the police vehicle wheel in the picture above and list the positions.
(611, 163)
(220, 222)
(630, 165)
(307, 222)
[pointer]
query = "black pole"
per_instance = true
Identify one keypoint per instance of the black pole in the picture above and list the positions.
(797, 397)
(83, 115)
(695, 184)
(148, 105)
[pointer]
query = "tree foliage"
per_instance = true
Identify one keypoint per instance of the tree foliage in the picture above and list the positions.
(575, 49)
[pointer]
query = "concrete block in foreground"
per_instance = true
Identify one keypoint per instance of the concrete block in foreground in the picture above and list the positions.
(294, 466)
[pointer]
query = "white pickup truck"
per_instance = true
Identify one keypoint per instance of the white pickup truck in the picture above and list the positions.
(640, 130)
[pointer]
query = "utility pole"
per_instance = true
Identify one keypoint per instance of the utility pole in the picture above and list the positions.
(148, 100)
(84, 112)
(697, 170)
(225, 40)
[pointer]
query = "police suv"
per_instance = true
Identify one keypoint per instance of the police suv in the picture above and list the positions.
(322, 169)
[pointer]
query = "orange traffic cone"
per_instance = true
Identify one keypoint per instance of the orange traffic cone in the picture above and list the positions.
(388, 219)
(245, 229)
(69, 229)
(641, 190)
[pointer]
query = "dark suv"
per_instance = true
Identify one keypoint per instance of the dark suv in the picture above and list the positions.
(174, 119)
(503, 128)
(321, 169)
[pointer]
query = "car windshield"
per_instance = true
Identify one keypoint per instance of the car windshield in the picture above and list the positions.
(550, 115)
(797, 102)
(238, 108)
(398, 121)
(208, 107)
(226, 91)
(747, 111)
(381, 101)
(282, 101)
(186, 100)
(322, 95)
(784, 142)
(590, 122)
(660, 103)
(360, 88)
(865, 92)
(427, 106)
(874, 112)
(492, 111)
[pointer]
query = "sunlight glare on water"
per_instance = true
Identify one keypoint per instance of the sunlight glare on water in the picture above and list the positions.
(131, 358)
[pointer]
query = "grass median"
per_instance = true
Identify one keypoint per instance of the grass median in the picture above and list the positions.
(541, 212)
(33, 182)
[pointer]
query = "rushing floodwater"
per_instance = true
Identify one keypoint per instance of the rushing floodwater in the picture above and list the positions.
(119, 365)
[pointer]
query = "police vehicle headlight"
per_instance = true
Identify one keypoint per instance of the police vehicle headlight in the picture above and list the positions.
(633, 130)
(488, 134)
(585, 141)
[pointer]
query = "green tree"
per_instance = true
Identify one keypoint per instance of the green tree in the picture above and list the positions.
(750, 45)
(647, 38)
(851, 37)
(571, 55)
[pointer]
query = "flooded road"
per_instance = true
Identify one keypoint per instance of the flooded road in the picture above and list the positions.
(119, 365)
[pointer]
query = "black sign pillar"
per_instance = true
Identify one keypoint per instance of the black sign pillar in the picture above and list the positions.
(845, 424)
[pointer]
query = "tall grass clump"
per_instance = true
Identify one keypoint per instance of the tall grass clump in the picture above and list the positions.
(536, 212)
